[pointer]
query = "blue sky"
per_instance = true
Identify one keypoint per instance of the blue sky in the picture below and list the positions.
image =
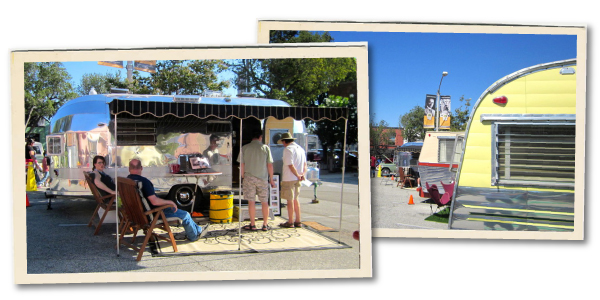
(404, 67)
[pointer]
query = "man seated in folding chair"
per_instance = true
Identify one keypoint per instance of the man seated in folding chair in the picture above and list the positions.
(193, 231)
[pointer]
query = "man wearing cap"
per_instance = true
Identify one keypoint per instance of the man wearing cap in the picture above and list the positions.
(294, 171)
(256, 166)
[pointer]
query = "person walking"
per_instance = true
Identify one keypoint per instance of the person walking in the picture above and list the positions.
(30, 158)
(256, 166)
(46, 171)
(294, 172)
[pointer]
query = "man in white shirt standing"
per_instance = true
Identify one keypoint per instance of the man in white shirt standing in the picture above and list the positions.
(294, 171)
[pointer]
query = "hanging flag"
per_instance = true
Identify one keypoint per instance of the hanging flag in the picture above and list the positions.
(115, 63)
(429, 117)
(145, 65)
(445, 112)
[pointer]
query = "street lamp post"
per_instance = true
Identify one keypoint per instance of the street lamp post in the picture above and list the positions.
(437, 103)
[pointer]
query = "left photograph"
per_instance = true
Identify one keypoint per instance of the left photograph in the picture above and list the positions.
(206, 163)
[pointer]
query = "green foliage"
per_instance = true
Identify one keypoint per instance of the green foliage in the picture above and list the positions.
(283, 36)
(460, 117)
(181, 77)
(101, 83)
(412, 123)
(300, 82)
(379, 137)
(47, 87)
(176, 77)
(331, 133)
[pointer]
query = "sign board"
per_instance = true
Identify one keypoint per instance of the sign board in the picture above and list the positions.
(116, 64)
(429, 118)
(445, 112)
(145, 65)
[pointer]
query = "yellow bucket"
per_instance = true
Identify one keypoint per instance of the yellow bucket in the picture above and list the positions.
(221, 207)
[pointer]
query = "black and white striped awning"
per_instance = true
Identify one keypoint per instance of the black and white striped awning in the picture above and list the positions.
(138, 108)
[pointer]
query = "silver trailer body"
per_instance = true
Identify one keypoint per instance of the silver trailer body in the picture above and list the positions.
(82, 128)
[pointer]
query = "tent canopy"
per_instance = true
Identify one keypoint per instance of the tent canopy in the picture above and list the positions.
(139, 108)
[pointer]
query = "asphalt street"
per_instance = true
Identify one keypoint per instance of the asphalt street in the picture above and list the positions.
(59, 241)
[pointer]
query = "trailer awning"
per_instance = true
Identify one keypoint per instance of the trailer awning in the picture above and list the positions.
(138, 108)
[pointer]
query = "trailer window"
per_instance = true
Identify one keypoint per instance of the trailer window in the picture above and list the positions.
(54, 144)
(535, 155)
(446, 150)
(136, 132)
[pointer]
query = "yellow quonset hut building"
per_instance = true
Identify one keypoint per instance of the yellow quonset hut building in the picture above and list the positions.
(517, 170)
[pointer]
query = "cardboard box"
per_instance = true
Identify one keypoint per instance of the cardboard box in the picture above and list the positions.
(111, 217)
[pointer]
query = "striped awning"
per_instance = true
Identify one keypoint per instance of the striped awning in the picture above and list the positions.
(138, 108)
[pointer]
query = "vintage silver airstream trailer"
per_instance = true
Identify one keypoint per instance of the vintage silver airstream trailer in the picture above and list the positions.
(83, 128)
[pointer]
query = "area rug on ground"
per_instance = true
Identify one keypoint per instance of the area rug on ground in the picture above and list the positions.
(223, 238)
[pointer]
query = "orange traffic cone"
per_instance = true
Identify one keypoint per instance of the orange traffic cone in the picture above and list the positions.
(27, 197)
(410, 200)
(392, 177)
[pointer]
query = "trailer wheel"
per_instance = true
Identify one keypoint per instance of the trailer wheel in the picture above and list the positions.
(183, 195)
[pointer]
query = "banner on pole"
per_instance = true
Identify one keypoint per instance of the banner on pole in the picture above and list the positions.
(145, 65)
(429, 117)
(116, 64)
(445, 112)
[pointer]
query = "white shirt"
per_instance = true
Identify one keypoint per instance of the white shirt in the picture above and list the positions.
(293, 154)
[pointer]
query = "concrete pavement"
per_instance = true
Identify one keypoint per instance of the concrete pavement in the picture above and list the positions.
(390, 208)
(59, 241)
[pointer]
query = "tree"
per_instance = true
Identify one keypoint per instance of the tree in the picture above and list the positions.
(412, 122)
(47, 87)
(101, 83)
(297, 81)
(301, 82)
(331, 133)
(177, 77)
(378, 135)
(460, 117)
(290, 36)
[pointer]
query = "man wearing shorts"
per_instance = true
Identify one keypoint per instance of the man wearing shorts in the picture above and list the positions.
(294, 171)
(256, 166)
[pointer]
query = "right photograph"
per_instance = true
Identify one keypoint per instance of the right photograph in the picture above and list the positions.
(476, 131)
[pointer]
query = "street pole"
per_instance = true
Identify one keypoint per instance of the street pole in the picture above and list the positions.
(129, 71)
(437, 103)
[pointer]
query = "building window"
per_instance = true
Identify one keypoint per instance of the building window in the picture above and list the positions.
(534, 154)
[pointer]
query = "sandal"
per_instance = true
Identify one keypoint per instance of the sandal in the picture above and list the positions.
(298, 224)
(286, 225)
(250, 227)
(266, 228)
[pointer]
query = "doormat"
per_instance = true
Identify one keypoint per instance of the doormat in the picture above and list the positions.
(224, 239)
(317, 226)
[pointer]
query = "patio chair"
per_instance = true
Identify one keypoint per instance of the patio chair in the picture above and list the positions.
(435, 196)
(107, 203)
(448, 189)
(403, 179)
(139, 216)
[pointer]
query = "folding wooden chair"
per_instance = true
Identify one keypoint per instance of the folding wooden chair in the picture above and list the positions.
(404, 178)
(140, 219)
(107, 203)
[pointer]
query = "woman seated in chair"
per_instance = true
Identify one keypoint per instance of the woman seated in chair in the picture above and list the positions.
(104, 183)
